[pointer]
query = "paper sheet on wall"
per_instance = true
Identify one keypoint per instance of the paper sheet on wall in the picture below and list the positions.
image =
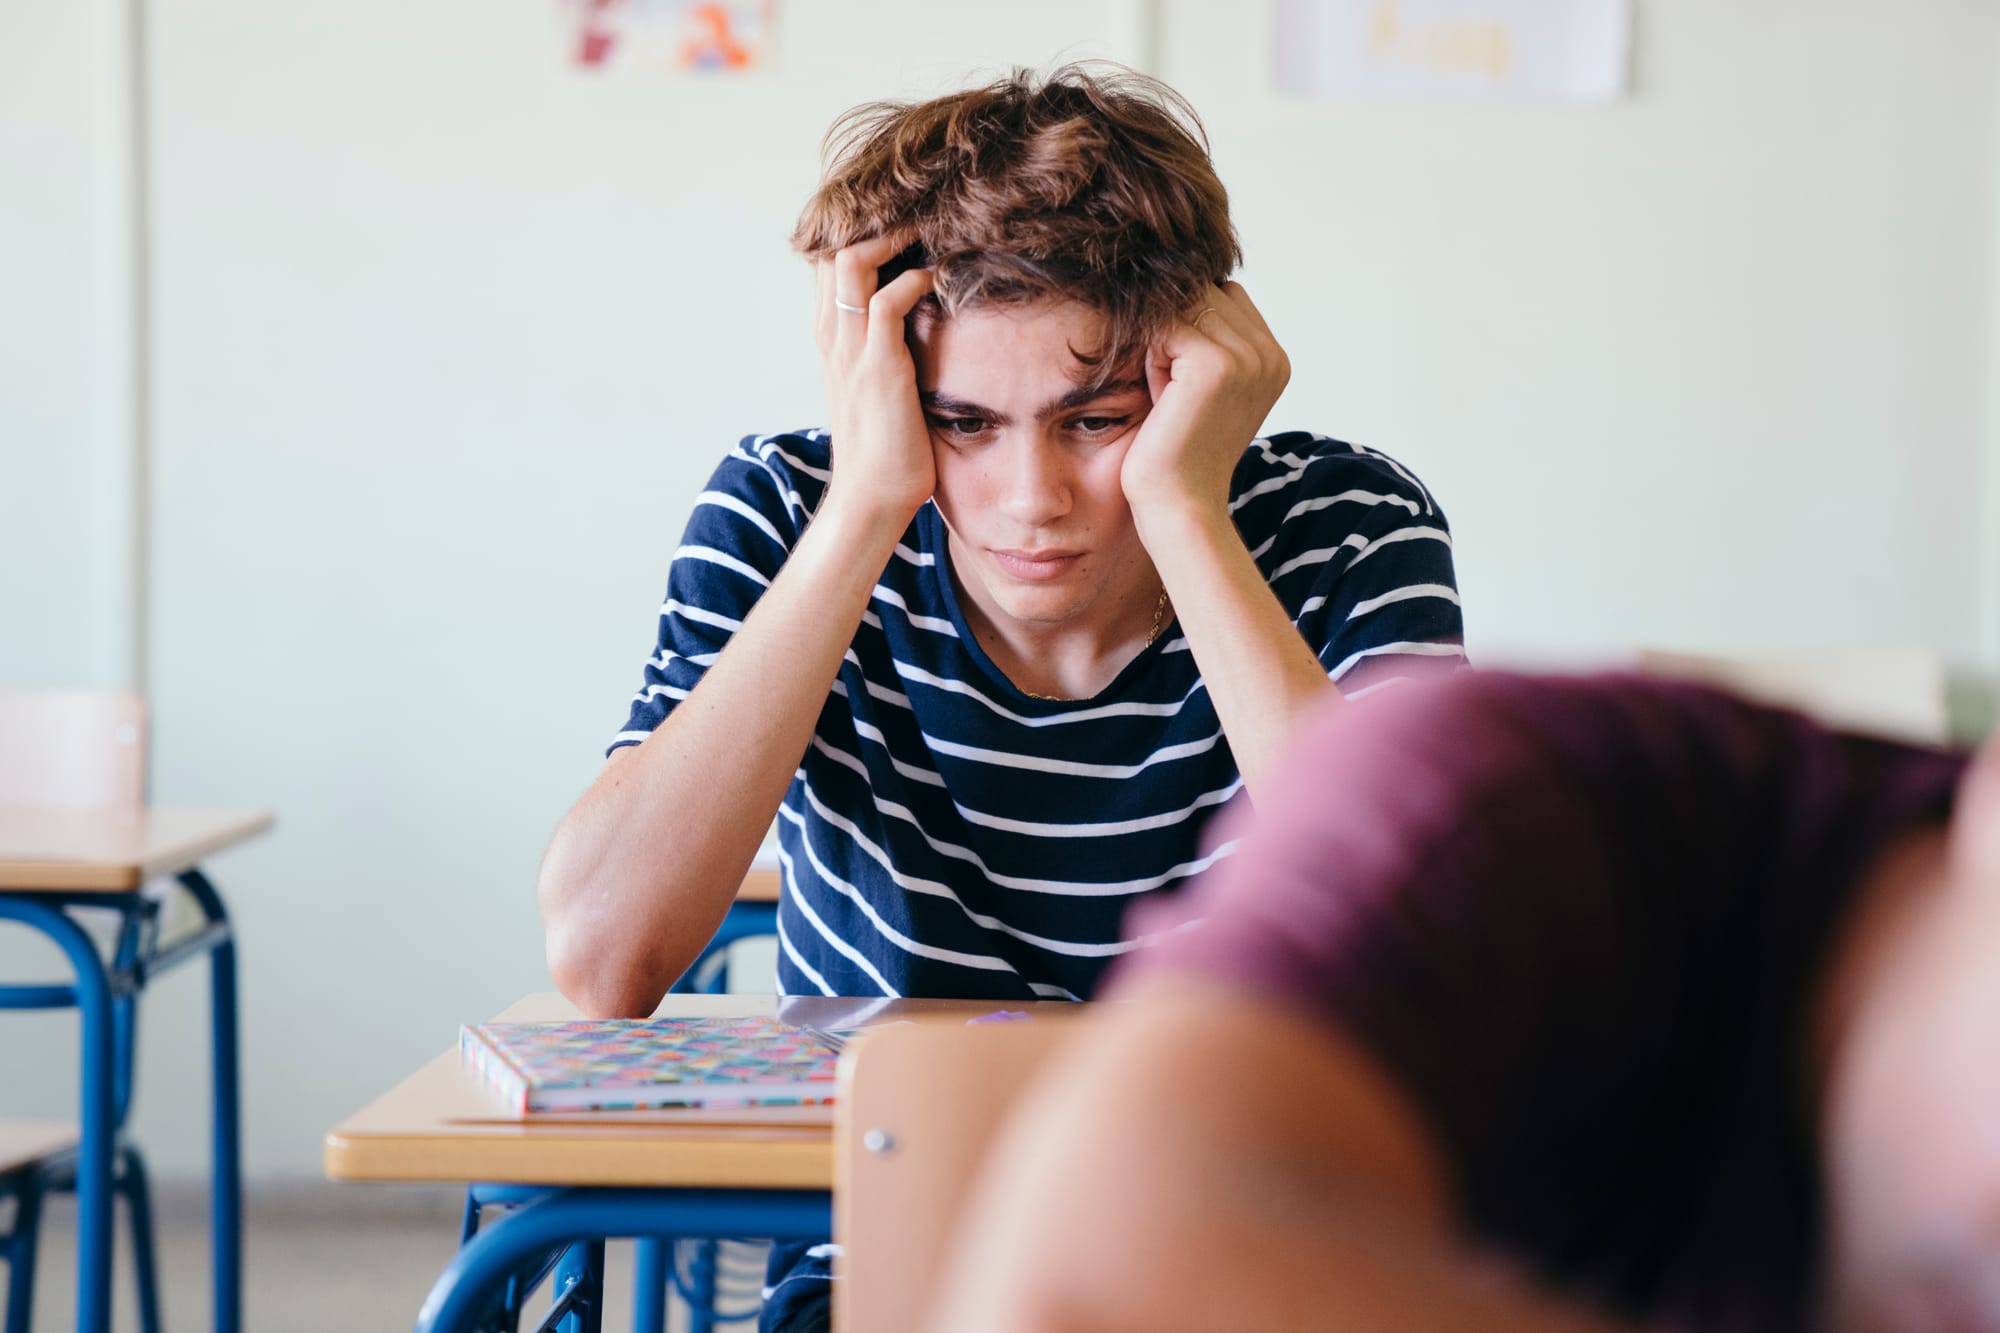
(667, 36)
(1493, 50)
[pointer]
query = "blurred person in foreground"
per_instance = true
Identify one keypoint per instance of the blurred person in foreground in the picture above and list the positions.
(1038, 600)
(1538, 1004)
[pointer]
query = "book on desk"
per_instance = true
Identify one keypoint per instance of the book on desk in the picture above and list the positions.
(614, 1065)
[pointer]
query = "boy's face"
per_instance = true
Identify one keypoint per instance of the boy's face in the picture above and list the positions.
(1028, 465)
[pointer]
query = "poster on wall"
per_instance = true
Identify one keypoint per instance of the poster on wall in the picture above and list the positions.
(669, 36)
(1455, 50)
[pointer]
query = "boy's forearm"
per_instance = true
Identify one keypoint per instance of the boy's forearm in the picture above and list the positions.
(645, 865)
(1260, 673)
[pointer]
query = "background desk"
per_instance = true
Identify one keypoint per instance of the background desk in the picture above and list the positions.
(112, 851)
(54, 861)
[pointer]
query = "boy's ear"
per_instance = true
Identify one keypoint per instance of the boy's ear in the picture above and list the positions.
(1975, 820)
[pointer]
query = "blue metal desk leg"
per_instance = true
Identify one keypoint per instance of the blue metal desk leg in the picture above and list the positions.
(93, 1154)
(139, 1210)
(649, 1284)
(226, 1207)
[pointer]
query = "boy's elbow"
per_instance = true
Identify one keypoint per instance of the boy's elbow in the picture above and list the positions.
(598, 983)
(597, 970)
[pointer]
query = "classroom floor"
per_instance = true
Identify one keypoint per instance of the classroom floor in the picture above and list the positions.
(335, 1268)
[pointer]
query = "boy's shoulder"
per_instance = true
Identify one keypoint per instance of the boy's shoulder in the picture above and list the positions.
(1299, 481)
(781, 477)
(804, 453)
(1308, 463)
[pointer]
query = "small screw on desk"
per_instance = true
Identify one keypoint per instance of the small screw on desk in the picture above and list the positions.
(879, 1141)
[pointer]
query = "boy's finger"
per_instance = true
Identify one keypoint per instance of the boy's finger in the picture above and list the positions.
(1240, 299)
(855, 265)
(893, 304)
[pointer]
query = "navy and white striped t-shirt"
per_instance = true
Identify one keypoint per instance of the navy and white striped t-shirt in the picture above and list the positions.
(948, 835)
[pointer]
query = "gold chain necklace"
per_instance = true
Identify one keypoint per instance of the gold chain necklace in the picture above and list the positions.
(1159, 623)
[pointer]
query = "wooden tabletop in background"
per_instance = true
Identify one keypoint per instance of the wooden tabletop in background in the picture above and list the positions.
(113, 850)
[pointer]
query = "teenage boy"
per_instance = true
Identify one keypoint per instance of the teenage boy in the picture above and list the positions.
(995, 644)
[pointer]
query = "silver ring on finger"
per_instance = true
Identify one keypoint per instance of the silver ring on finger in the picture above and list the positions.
(846, 309)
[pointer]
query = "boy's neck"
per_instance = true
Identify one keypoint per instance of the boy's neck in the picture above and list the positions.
(1073, 659)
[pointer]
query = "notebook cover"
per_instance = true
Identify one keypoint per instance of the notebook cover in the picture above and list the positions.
(638, 1064)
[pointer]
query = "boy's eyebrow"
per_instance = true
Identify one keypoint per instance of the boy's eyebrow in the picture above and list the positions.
(1084, 393)
(946, 405)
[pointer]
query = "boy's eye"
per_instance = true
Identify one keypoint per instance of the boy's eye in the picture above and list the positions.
(1099, 425)
(959, 425)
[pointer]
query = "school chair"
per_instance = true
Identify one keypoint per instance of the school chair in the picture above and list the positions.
(73, 750)
(1895, 693)
(918, 1106)
(25, 1146)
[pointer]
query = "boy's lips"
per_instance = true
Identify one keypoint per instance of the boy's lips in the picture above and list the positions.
(1049, 563)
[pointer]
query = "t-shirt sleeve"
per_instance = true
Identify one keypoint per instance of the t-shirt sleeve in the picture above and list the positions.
(1362, 559)
(743, 528)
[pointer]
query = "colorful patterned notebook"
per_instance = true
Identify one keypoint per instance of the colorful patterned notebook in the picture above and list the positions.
(637, 1064)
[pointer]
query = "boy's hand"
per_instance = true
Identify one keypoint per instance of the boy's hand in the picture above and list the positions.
(1214, 377)
(881, 445)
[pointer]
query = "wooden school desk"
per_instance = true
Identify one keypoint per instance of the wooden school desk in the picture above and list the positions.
(55, 862)
(764, 1172)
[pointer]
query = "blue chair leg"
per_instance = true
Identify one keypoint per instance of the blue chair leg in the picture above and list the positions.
(701, 1288)
(469, 1227)
(505, 1317)
(139, 1208)
(649, 1284)
(21, 1253)
(580, 1275)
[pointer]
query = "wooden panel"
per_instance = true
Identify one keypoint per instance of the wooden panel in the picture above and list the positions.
(113, 850)
(72, 749)
(936, 1093)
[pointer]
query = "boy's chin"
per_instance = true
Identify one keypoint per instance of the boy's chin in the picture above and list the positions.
(1037, 607)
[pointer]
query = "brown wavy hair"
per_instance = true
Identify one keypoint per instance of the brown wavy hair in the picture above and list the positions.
(1092, 184)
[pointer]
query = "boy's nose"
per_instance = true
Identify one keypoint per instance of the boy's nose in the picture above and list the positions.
(1036, 488)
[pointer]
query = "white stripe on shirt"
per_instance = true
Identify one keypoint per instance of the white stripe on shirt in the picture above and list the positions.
(1401, 649)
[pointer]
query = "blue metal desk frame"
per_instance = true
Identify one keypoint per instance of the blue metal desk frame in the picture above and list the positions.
(102, 1163)
(480, 1289)
(500, 1273)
